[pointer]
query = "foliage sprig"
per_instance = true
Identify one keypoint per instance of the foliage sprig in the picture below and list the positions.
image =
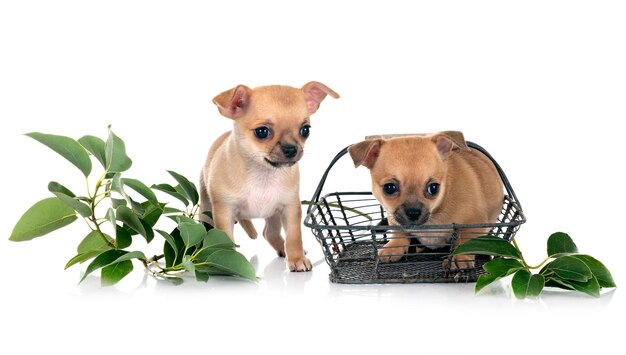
(114, 218)
(563, 268)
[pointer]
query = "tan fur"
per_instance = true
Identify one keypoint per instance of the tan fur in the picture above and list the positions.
(470, 188)
(245, 177)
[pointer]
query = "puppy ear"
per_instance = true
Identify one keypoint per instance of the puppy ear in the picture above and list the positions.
(449, 141)
(314, 94)
(234, 102)
(365, 153)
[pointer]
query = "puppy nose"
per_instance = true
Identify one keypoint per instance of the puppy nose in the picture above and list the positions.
(289, 151)
(413, 213)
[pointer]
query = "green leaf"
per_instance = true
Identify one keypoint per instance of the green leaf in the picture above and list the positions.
(148, 228)
(184, 219)
(202, 276)
(188, 265)
(111, 257)
(560, 244)
(484, 280)
(94, 241)
(115, 154)
(173, 249)
(152, 213)
(525, 284)
(61, 192)
(168, 189)
(112, 274)
(488, 245)
(110, 216)
(204, 253)
(590, 287)
(233, 263)
(95, 146)
(117, 202)
(102, 260)
(66, 147)
(189, 189)
(216, 238)
(551, 283)
(123, 239)
(127, 216)
(171, 210)
(136, 206)
(142, 189)
(569, 268)
(42, 218)
(117, 185)
(502, 267)
(497, 269)
(601, 273)
(192, 233)
(54, 186)
(81, 258)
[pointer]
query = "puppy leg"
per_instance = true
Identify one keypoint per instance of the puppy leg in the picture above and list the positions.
(247, 226)
(223, 218)
(394, 250)
(459, 262)
(205, 200)
(464, 261)
(271, 233)
(296, 260)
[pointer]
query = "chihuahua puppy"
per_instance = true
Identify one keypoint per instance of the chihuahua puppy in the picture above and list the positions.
(252, 171)
(429, 180)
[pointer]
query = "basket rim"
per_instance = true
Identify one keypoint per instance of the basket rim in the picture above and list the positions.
(520, 219)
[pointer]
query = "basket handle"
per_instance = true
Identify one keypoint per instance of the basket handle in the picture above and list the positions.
(316, 195)
(507, 185)
(505, 180)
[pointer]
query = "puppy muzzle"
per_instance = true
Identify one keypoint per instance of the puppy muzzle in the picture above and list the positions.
(414, 214)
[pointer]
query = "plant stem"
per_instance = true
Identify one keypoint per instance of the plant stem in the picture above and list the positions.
(540, 265)
(93, 218)
(524, 261)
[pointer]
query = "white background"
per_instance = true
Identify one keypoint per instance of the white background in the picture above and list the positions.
(541, 84)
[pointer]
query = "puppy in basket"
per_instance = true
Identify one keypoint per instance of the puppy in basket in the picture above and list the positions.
(252, 171)
(431, 180)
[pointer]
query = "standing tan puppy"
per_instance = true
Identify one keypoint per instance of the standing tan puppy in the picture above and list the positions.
(252, 171)
(430, 180)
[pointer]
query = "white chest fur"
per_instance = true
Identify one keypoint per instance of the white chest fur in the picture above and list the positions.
(266, 192)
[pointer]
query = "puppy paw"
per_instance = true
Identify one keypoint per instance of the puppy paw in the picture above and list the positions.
(299, 264)
(459, 262)
(391, 255)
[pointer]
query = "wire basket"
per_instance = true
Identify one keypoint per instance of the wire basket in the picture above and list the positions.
(351, 228)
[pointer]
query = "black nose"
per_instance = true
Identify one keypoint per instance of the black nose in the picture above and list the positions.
(289, 151)
(413, 213)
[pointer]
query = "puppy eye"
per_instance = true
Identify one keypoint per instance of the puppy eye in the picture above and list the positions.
(391, 188)
(262, 132)
(432, 189)
(305, 131)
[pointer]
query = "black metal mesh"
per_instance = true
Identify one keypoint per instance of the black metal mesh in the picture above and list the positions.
(351, 228)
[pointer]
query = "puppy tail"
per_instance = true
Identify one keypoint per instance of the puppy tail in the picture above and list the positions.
(247, 225)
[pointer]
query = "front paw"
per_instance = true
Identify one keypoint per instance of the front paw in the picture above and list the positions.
(459, 262)
(391, 254)
(299, 264)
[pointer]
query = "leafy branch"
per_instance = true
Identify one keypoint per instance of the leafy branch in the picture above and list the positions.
(192, 246)
(563, 268)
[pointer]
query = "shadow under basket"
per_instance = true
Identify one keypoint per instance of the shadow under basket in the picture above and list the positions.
(351, 228)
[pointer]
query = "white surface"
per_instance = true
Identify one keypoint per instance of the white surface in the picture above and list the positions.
(540, 84)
